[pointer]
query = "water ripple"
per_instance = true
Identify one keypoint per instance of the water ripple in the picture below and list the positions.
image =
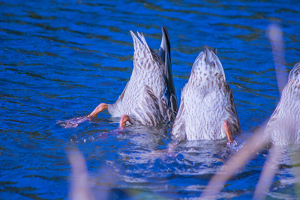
(60, 59)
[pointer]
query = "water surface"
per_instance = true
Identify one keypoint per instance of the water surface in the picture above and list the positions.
(60, 59)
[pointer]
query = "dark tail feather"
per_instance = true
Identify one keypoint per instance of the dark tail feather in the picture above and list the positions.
(165, 54)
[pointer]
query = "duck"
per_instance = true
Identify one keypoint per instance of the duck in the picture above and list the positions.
(207, 110)
(282, 128)
(149, 97)
(281, 132)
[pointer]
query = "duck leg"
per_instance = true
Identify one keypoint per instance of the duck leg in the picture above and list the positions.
(124, 119)
(226, 127)
(100, 108)
(72, 123)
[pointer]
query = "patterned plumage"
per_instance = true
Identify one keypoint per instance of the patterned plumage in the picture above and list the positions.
(206, 102)
(283, 127)
(149, 96)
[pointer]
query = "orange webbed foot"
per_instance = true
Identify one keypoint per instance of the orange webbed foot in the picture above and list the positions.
(226, 127)
(98, 109)
(124, 119)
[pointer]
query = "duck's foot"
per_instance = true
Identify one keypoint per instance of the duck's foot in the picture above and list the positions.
(124, 119)
(226, 127)
(231, 142)
(72, 123)
(98, 109)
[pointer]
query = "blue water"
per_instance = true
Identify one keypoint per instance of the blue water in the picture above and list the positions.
(60, 59)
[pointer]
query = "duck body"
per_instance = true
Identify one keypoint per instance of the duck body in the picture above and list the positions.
(206, 102)
(283, 127)
(146, 98)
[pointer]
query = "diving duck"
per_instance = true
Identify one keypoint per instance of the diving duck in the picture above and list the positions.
(207, 110)
(149, 97)
(283, 127)
(282, 130)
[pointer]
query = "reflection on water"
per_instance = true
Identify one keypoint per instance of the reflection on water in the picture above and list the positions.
(60, 59)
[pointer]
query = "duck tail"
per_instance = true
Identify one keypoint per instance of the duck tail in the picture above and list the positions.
(165, 47)
(140, 44)
(143, 39)
(165, 54)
